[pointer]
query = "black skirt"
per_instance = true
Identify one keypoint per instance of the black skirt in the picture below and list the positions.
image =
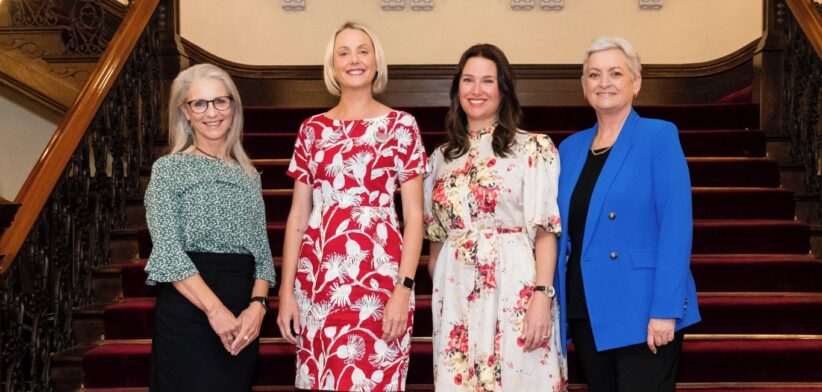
(186, 353)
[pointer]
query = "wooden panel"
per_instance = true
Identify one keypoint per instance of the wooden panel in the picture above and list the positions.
(428, 85)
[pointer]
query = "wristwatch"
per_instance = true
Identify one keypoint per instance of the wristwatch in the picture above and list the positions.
(406, 282)
(262, 300)
(548, 290)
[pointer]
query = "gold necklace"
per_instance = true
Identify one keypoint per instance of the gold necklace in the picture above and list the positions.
(602, 150)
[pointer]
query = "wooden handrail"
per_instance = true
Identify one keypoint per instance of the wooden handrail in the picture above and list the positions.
(809, 16)
(70, 132)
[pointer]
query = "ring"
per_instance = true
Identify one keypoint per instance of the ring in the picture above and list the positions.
(245, 337)
(546, 336)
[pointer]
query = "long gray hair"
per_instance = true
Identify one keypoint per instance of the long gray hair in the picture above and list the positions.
(180, 133)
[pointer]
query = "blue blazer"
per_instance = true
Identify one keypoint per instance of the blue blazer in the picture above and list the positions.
(637, 243)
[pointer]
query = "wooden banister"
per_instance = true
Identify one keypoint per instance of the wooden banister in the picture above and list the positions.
(42, 179)
(809, 16)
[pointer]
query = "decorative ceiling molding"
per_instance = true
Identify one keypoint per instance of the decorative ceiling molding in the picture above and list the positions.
(392, 5)
(551, 5)
(522, 5)
(422, 5)
(650, 4)
(294, 5)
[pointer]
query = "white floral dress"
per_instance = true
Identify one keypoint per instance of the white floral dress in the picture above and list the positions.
(486, 210)
(351, 249)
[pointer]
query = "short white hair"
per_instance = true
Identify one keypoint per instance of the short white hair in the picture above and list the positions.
(607, 43)
(380, 80)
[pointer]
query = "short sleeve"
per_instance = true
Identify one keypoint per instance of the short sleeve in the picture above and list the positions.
(300, 166)
(434, 230)
(541, 163)
(412, 156)
(168, 261)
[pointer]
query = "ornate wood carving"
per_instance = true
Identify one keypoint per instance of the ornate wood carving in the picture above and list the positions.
(802, 100)
(7, 211)
(51, 274)
(87, 32)
(34, 13)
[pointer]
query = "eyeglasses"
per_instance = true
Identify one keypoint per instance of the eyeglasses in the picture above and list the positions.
(199, 106)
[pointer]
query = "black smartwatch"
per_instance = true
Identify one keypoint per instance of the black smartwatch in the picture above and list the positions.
(262, 300)
(547, 290)
(406, 282)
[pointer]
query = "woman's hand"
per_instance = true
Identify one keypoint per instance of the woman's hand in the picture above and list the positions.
(537, 325)
(250, 320)
(395, 318)
(660, 332)
(289, 313)
(224, 324)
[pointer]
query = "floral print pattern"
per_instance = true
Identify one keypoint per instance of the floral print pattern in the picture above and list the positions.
(351, 250)
(486, 210)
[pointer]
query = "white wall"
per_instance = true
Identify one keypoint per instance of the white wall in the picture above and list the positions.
(260, 32)
(24, 132)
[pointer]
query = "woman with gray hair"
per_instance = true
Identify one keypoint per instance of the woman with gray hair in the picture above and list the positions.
(347, 293)
(210, 257)
(623, 276)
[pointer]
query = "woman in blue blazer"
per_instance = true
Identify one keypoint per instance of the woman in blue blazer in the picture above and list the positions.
(623, 276)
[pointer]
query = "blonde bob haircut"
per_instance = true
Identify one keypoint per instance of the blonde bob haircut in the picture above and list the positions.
(180, 133)
(607, 43)
(380, 79)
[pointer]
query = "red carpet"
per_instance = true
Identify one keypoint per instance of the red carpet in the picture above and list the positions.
(760, 290)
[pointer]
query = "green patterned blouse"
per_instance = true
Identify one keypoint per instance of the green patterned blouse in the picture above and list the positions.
(201, 204)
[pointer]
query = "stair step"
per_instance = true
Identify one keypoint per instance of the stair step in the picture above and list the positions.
(705, 172)
(686, 117)
(710, 236)
(708, 203)
(712, 273)
(697, 387)
(741, 313)
(713, 143)
(705, 358)
(34, 41)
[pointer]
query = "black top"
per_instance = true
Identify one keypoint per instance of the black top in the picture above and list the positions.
(577, 215)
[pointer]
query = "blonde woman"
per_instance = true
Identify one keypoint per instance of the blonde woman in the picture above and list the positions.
(346, 298)
(210, 258)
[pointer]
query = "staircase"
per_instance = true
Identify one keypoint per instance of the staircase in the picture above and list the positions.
(760, 288)
(41, 53)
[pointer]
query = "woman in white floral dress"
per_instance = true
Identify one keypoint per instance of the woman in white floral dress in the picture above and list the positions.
(492, 219)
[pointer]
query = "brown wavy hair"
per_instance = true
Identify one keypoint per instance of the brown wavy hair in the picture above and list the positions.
(509, 112)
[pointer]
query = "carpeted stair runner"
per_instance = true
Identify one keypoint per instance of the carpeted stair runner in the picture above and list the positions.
(760, 289)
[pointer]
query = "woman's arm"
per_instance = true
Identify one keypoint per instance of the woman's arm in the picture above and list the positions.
(301, 205)
(537, 325)
(396, 310)
(222, 321)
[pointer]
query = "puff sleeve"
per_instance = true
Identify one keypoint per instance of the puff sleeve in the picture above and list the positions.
(541, 162)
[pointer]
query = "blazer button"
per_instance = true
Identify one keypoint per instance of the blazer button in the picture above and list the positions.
(612, 215)
(613, 255)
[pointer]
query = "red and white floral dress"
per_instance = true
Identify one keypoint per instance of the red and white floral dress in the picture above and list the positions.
(486, 210)
(351, 250)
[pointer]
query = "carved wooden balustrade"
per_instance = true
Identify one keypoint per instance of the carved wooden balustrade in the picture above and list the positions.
(76, 196)
(802, 90)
